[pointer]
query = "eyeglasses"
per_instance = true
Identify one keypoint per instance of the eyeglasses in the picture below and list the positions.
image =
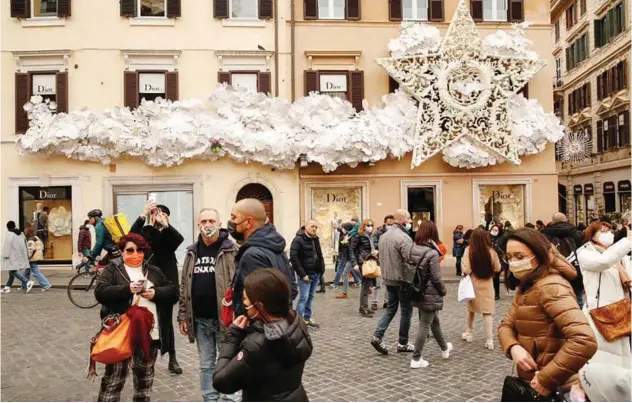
(133, 250)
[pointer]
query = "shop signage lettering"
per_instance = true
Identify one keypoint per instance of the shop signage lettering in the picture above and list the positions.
(608, 187)
(577, 189)
(503, 196)
(332, 198)
(152, 83)
(624, 186)
(333, 83)
(44, 84)
(52, 194)
(589, 189)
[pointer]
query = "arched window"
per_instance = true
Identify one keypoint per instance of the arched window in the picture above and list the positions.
(259, 192)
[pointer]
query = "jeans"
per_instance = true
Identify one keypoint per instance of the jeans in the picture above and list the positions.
(580, 300)
(306, 295)
(367, 283)
(86, 266)
(41, 279)
(428, 320)
(13, 274)
(458, 265)
(345, 277)
(396, 295)
(342, 262)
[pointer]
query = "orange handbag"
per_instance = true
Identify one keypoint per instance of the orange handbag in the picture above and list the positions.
(613, 320)
(114, 343)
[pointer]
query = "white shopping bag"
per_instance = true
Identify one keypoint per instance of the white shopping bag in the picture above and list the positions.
(466, 290)
(76, 260)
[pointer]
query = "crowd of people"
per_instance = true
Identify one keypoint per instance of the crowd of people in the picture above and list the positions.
(560, 276)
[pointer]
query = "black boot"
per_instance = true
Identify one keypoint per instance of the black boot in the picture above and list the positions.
(174, 368)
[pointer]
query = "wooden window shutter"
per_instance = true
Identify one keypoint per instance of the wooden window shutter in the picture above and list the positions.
(128, 8)
(63, 8)
(588, 94)
(623, 74)
(395, 10)
(20, 8)
(392, 85)
(624, 136)
(570, 103)
(613, 125)
(131, 91)
(599, 96)
(615, 78)
(61, 81)
(435, 10)
(265, 9)
(568, 18)
(174, 8)
(352, 10)
(22, 96)
(476, 8)
(265, 82)
(312, 83)
(524, 91)
(599, 136)
(515, 11)
(356, 88)
(223, 77)
(310, 9)
(171, 86)
(220, 8)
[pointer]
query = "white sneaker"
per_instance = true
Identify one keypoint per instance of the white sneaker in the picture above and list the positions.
(421, 363)
(446, 353)
(29, 285)
(489, 344)
(5, 290)
(467, 336)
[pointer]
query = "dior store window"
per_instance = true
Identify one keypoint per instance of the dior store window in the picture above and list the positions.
(502, 203)
(48, 211)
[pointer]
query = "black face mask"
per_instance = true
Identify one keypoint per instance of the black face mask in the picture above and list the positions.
(231, 226)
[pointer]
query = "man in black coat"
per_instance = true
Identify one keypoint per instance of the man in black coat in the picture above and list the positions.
(567, 238)
(163, 240)
(262, 247)
(306, 257)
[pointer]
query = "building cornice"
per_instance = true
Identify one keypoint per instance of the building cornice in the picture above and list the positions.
(244, 53)
(355, 54)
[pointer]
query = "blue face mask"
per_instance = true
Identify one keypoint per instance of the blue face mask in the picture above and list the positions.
(408, 226)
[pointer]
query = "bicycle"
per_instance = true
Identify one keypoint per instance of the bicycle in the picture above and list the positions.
(81, 288)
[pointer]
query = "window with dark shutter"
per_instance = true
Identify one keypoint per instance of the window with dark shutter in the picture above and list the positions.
(476, 9)
(22, 96)
(172, 85)
(265, 9)
(615, 79)
(63, 8)
(599, 90)
(435, 10)
(570, 103)
(624, 129)
(599, 136)
(598, 28)
(612, 131)
(623, 75)
(61, 82)
(588, 94)
(174, 8)
(265, 82)
(395, 10)
(310, 10)
(311, 81)
(20, 8)
(220, 8)
(356, 88)
(582, 5)
(515, 11)
(131, 90)
(352, 10)
(128, 8)
(223, 77)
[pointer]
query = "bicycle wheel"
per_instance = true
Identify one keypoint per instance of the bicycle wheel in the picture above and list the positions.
(81, 290)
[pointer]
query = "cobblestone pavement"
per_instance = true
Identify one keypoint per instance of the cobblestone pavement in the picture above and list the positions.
(44, 346)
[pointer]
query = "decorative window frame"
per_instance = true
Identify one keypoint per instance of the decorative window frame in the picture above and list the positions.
(244, 60)
(308, 186)
(528, 192)
(41, 21)
(151, 60)
(404, 185)
(35, 60)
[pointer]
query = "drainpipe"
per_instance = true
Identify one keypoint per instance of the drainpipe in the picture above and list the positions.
(276, 47)
(292, 51)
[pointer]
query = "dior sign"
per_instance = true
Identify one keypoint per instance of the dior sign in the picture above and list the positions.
(332, 198)
(333, 83)
(503, 196)
(151, 83)
(43, 194)
(44, 84)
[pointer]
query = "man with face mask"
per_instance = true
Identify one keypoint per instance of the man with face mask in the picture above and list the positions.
(163, 241)
(208, 269)
(262, 247)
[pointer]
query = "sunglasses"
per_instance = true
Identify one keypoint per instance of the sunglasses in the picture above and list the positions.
(133, 250)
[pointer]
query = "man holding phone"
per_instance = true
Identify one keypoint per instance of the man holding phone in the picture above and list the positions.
(164, 240)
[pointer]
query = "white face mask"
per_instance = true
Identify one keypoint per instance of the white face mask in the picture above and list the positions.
(520, 268)
(494, 233)
(369, 229)
(606, 239)
(408, 226)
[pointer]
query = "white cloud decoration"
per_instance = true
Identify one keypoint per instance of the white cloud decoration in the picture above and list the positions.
(252, 127)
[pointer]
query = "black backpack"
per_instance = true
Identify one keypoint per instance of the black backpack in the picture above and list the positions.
(417, 290)
(566, 246)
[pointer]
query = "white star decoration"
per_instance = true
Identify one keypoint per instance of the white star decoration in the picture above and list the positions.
(462, 91)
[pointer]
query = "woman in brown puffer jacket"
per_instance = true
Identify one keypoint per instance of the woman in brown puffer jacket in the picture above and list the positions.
(544, 332)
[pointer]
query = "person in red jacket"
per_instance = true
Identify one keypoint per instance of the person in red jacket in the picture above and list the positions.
(84, 245)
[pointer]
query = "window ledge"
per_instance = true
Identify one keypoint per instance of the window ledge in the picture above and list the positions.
(243, 22)
(152, 22)
(9, 139)
(43, 22)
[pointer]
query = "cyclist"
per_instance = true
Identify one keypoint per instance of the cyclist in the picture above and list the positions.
(103, 241)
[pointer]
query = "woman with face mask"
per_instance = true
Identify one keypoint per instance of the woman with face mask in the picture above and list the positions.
(124, 283)
(497, 237)
(263, 353)
(606, 269)
(361, 247)
(544, 332)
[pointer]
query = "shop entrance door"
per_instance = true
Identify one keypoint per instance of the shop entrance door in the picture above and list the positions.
(180, 202)
(421, 204)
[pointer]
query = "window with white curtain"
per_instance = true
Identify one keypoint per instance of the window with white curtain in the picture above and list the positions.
(245, 80)
(415, 9)
(331, 9)
(243, 9)
(495, 10)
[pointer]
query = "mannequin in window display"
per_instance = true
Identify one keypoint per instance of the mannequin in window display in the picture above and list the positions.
(40, 223)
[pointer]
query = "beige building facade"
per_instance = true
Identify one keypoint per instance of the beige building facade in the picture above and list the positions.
(591, 48)
(99, 55)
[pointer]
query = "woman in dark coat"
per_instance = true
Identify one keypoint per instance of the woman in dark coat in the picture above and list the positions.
(458, 247)
(263, 353)
(163, 240)
(361, 247)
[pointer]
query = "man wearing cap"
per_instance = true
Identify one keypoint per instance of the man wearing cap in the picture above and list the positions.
(163, 240)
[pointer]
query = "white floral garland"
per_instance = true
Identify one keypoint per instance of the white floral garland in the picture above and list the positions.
(252, 127)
